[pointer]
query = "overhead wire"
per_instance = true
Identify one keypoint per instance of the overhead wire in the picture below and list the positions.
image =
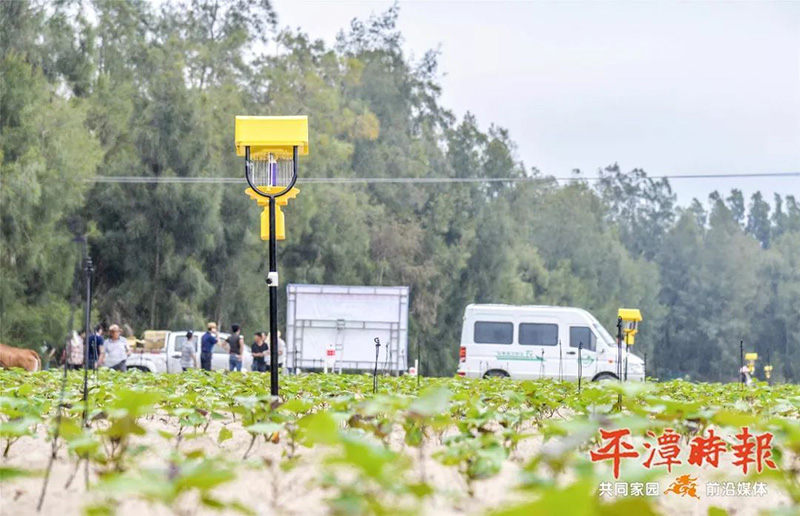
(419, 180)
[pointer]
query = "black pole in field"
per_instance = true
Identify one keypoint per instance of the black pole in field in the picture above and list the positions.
(619, 348)
(419, 362)
(255, 181)
(89, 269)
(377, 341)
(741, 363)
(272, 282)
(560, 362)
(619, 356)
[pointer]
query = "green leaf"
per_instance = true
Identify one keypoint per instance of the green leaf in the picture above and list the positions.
(224, 434)
(319, 428)
(9, 473)
(264, 428)
(296, 406)
(432, 401)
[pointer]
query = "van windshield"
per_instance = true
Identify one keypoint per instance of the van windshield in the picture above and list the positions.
(604, 335)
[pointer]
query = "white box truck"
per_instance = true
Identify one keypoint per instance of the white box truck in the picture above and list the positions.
(527, 342)
(347, 319)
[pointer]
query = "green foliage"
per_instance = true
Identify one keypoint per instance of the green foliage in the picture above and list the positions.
(354, 442)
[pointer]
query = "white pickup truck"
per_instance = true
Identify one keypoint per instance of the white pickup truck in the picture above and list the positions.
(167, 358)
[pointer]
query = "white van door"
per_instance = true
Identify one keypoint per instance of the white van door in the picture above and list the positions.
(174, 353)
(537, 339)
(581, 341)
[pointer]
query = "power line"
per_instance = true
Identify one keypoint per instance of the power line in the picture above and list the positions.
(412, 180)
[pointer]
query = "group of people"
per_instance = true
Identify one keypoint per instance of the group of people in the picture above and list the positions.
(111, 352)
(234, 345)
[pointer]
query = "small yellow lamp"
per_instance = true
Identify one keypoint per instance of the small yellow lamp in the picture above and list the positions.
(631, 317)
(751, 361)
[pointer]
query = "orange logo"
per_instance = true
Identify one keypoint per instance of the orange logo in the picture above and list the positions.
(684, 485)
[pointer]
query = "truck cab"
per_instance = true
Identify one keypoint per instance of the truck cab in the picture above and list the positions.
(528, 342)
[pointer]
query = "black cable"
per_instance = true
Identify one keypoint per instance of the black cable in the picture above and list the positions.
(420, 180)
(57, 432)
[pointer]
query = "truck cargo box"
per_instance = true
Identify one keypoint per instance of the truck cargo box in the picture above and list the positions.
(350, 318)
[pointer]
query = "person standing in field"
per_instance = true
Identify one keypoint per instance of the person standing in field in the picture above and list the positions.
(189, 352)
(235, 348)
(260, 350)
(281, 351)
(115, 350)
(207, 344)
(75, 351)
(95, 346)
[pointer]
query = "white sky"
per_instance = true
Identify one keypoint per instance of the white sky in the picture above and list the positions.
(671, 87)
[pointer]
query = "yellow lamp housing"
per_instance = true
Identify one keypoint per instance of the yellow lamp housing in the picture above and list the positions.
(271, 134)
(751, 361)
(631, 317)
(268, 144)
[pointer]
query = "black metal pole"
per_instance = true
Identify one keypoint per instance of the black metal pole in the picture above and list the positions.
(619, 348)
(419, 362)
(89, 269)
(273, 301)
(741, 363)
(619, 357)
(377, 341)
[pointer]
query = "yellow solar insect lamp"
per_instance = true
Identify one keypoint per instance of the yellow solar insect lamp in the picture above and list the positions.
(630, 317)
(270, 146)
(751, 361)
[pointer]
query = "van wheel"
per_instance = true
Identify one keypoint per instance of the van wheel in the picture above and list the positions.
(605, 377)
(495, 373)
(138, 368)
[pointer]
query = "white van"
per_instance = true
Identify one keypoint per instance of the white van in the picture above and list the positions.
(527, 342)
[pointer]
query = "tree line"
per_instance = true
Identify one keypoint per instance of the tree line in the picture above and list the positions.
(130, 88)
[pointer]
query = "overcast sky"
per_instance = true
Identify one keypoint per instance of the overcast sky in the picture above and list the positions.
(672, 87)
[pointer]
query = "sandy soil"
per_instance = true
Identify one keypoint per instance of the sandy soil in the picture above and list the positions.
(267, 490)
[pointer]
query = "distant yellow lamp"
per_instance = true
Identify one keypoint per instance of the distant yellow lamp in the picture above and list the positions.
(631, 317)
(768, 371)
(751, 361)
(270, 146)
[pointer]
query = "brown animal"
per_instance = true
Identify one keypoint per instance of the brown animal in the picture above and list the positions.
(27, 359)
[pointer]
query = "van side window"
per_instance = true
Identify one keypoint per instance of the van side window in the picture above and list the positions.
(535, 334)
(578, 334)
(493, 332)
